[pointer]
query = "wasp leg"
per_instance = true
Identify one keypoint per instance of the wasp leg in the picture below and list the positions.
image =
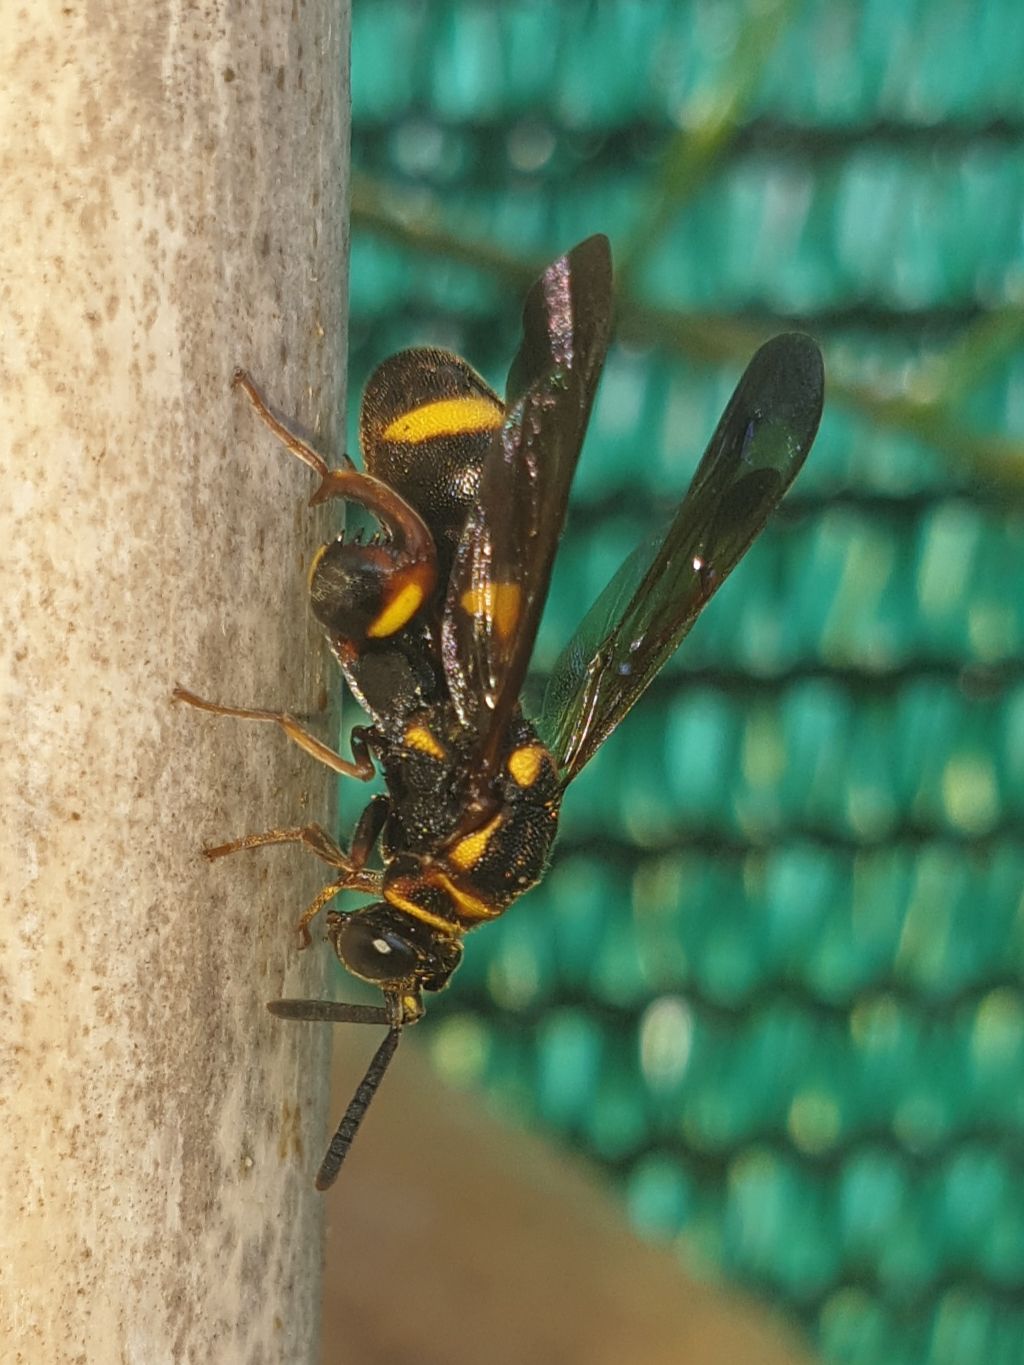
(408, 530)
(354, 874)
(313, 837)
(368, 829)
(356, 877)
(410, 537)
(328, 893)
(362, 768)
(298, 447)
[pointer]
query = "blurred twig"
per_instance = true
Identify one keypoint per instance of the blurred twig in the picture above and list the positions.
(714, 339)
(922, 411)
(417, 222)
(978, 348)
(709, 123)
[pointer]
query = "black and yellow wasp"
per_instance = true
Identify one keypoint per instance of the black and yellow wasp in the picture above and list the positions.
(433, 622)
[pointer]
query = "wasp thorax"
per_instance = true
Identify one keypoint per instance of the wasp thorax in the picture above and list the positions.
(382, 945)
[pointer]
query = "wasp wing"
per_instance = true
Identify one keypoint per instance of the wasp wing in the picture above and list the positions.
(502, 568)
(634, 626)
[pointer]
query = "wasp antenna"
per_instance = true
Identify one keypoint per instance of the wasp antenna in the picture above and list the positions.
(358, 1105)
(329, 1012)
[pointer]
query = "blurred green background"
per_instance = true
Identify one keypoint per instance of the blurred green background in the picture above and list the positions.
(772, 983)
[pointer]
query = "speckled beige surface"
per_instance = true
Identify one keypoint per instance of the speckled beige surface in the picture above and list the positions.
(172, 206)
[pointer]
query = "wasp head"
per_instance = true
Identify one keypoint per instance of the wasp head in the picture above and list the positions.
(387, 947)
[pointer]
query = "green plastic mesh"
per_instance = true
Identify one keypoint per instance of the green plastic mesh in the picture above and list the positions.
(772, 982)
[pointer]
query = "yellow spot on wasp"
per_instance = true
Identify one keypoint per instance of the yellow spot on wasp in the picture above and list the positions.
(468, 852)
(445, 417)
(401, 608)
(524, 764)
(419, 738)
(499, 601)
(470, 906)
(412, 1007)
(394, 897)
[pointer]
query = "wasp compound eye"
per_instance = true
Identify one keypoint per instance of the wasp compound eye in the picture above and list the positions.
(371, 947)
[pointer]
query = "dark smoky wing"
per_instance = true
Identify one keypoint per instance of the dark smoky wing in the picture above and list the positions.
(503, 561)
(635, 625)
(566, 319)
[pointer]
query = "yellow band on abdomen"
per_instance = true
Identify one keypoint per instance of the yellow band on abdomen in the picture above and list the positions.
(445, 417)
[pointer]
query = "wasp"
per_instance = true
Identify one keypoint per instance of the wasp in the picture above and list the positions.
(433, 621)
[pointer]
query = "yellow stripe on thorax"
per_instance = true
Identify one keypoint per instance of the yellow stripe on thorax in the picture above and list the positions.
(400, 902)
(470, 906)
(445, 417)
(418, 737)
(524, 764)
(468, 851)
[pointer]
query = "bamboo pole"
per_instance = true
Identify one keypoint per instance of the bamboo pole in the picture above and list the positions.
(173, 206)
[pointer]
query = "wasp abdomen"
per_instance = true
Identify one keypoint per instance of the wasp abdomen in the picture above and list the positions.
(426, 425)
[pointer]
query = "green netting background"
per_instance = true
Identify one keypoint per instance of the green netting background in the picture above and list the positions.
(772, 983)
